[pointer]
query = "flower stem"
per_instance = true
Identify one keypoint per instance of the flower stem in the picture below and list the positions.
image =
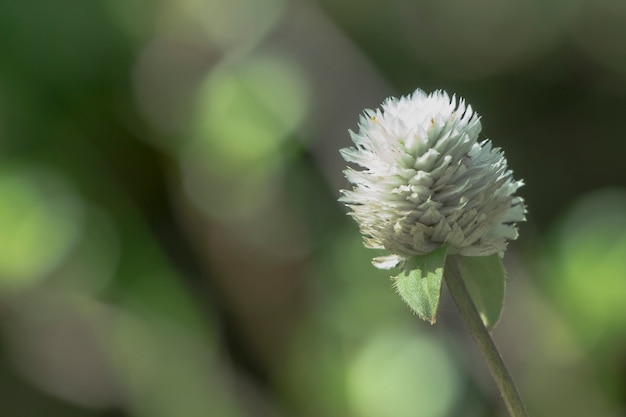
(483, 339)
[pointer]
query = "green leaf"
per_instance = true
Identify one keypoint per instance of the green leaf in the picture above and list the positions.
(484, 277)
(419, 284)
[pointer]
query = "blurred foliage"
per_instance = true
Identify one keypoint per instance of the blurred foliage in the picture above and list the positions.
(170, 240)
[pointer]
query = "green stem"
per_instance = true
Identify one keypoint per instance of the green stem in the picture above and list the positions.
(483, 339)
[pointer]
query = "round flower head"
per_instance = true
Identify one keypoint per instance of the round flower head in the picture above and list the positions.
(427, 181)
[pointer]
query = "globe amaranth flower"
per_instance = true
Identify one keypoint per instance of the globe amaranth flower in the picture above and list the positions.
(428, 181)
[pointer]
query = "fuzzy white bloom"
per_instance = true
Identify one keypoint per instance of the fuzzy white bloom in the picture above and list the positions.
(427, 181)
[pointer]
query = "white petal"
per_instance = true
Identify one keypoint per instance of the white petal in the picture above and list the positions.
(387, 262)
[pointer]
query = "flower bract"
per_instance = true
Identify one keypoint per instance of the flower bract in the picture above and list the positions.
(424, 179)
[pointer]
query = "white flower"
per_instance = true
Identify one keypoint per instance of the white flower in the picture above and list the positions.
(427, 181)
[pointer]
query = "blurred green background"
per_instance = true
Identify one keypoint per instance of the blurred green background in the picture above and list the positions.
(170, 240)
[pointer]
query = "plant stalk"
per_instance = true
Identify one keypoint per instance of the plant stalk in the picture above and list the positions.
(483, 339)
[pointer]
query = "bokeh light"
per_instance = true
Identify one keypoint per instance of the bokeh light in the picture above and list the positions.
(40, 219)
(245, 113)
(590, 259)
(399, 374)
